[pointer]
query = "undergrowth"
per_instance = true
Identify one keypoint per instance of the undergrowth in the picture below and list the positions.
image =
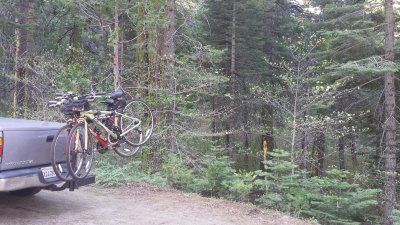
(112, 170)
(337, 198)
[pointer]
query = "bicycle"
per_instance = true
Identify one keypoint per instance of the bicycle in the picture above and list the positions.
(58, 146)
(127, 126)
(65, 102)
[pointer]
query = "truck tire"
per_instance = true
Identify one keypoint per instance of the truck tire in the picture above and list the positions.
(27, 192)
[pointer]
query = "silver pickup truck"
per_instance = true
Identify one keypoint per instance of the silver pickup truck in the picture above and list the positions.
(25, 166)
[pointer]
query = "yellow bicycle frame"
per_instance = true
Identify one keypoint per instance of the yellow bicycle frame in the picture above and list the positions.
(91, 116)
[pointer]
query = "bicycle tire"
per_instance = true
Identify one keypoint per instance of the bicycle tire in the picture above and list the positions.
(137, 109)
(79, 161)
(58, 154)
(127, 151)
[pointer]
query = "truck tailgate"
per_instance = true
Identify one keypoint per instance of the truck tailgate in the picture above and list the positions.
(26, 143)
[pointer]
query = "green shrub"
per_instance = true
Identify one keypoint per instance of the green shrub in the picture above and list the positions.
(282, 190)
(216, 177)
(178, 174)
(334, 199)
(112, 170)
(396, 217)
(110, 174)
(241, 186)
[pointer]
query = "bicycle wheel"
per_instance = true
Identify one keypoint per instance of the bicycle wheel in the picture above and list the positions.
(126, 150)
(79, 159)
(136, 111)
(59, 153)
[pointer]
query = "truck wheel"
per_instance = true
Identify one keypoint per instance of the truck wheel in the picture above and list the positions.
(26, 192)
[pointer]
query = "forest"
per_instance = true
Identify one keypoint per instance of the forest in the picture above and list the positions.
(290, 105)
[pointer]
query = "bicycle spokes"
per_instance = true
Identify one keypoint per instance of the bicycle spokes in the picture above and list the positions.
(80, 152)
(136, 123)
(59, 153)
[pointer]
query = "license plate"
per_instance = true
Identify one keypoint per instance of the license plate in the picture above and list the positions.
(48, 172)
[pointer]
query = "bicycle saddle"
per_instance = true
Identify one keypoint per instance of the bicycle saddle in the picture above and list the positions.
(116, 94)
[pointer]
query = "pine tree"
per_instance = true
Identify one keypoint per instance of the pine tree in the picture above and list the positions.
(350, 58)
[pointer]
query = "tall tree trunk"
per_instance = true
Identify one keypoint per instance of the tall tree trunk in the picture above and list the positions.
(389, 197)
(353, 150)
(267, 114)
(342, 165)
(76, 42)
(169, 36)
(117, 82)
(232, 74)
(246, 129)
(318, 152)
(142, 51)
(169, 51)
(29, 95)
(246, 109)
(246, 138)
(294, 124)
(304, 145)
(267, 138)
(214, 122)
(228, 147)
(21, 39)
(233, 41)
(303, 161)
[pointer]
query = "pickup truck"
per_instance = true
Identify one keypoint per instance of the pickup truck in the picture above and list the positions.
(25, 166)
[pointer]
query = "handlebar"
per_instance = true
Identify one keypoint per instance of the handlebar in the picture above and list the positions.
(62, 98)
(52, 104)
(94, 95)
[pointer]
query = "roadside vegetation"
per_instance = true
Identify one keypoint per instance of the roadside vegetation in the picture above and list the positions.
(340, 197)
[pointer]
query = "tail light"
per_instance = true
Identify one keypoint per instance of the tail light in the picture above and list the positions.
(1, 145)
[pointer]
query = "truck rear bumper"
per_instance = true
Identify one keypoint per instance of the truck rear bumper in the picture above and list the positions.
(22, 178)
(32, 177)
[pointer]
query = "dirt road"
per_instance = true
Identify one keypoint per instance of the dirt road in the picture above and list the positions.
(135, 204)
